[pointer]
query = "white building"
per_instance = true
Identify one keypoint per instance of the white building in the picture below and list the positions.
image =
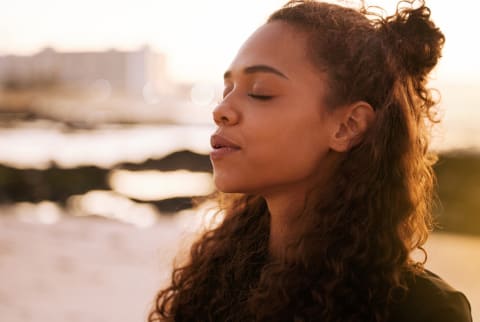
(128, 71)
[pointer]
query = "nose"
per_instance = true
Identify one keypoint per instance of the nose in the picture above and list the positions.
(225, 113)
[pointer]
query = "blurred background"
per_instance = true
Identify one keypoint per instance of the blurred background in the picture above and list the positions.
(105, 119)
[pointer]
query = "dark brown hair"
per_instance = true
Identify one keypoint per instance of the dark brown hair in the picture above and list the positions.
(351, 262)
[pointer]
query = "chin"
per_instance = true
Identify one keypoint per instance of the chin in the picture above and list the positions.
(230, 187)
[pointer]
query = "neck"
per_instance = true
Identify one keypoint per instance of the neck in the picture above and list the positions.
(284, 209)
(287, 202)
(286, 205)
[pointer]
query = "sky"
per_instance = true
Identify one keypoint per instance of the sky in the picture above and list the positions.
(200, 38)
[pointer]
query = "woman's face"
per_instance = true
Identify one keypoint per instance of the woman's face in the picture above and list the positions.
(273, 109)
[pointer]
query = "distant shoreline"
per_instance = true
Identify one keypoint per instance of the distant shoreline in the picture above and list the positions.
(458, 174)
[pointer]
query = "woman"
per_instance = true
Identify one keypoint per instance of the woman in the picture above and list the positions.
(327, 185)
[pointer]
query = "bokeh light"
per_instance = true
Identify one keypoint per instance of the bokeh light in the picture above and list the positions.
(157, 185)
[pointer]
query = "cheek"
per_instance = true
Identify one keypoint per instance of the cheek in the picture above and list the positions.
(299, 147)
(279, 148)
(295, 156)
(276, 158)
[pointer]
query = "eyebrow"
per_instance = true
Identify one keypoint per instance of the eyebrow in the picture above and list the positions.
(257, 69)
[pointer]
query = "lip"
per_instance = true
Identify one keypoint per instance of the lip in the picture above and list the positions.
(222, 147)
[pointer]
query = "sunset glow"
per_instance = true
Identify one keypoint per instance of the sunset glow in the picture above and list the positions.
(200, 38)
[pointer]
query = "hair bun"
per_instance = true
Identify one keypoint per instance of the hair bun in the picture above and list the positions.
(413, 38)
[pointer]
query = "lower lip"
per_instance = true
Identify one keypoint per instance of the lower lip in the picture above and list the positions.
(222, 152)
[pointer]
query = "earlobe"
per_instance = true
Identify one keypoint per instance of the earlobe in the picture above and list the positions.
(352, 123)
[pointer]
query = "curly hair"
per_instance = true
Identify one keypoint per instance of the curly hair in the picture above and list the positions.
(351, 262)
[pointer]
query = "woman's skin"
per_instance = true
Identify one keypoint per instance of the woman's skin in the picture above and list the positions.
(273, 109)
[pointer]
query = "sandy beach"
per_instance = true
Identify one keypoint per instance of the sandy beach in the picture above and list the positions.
(83, 269)
(96, 270)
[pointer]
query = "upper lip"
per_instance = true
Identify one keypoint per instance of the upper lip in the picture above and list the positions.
(219, 141)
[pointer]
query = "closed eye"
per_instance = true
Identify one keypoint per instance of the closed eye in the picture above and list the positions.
(261, 97)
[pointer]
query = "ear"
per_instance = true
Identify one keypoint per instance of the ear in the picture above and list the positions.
(350, 125)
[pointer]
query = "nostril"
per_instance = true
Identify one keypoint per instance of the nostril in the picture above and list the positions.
(219, 117)
(225, 114)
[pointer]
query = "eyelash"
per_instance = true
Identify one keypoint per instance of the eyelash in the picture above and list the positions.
(260, 97)
(254, 96)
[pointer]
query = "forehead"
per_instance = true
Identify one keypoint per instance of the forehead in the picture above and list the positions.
(276, 44)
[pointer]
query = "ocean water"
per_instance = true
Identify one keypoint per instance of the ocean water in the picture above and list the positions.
(38, 144)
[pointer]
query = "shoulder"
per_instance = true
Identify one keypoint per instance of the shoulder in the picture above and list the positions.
(430, 298)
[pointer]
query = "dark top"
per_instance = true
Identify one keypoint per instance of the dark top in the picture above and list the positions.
(431, 299)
